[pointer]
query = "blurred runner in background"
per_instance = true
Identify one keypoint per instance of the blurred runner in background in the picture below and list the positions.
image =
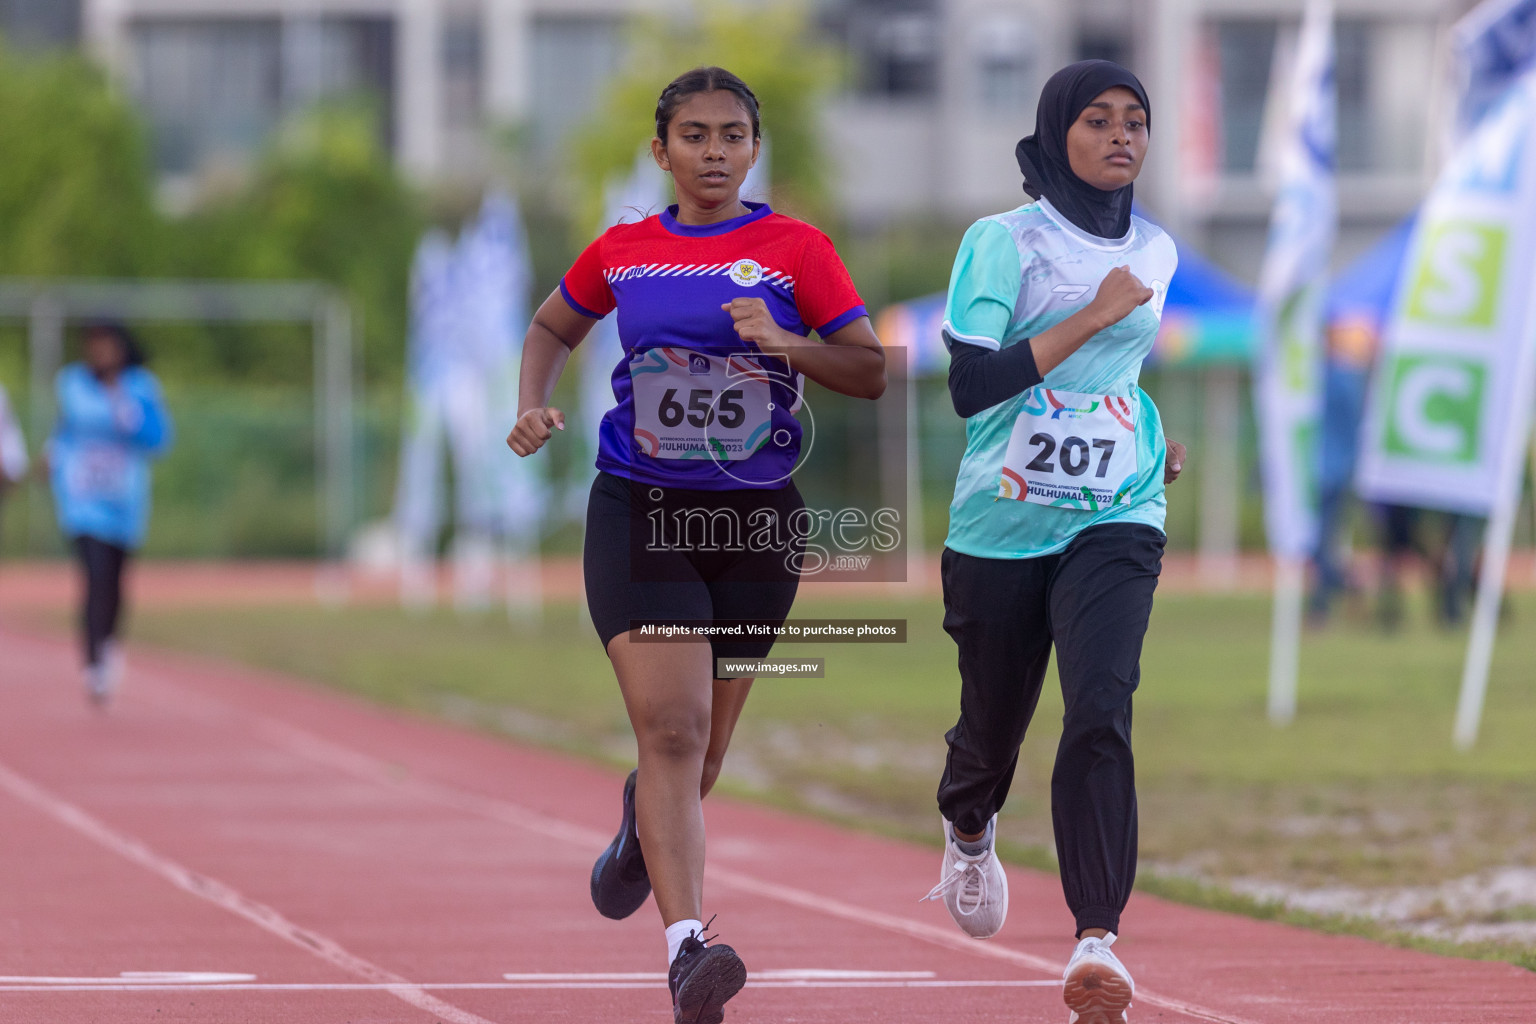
(111, 422)
(13, 448)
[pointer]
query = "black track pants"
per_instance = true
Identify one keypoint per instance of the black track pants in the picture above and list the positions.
(1092, 601)
(103, 564)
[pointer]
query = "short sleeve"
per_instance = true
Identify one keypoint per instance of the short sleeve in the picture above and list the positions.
(983, 287)
(585, 287)
(824, 292)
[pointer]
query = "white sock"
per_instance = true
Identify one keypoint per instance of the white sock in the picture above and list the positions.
(679, 931)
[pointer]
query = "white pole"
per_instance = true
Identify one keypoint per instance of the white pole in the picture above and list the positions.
(1533, 498)
(1485, 622)
(418, 39)
(917, 556)
(46, 343)
(1490, 587)
(1220, 480)
(505, 75)
(1501, 529)
(1285, 639)
(334, 445)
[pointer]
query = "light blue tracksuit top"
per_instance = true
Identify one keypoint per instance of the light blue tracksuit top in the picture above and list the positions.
(100, 452)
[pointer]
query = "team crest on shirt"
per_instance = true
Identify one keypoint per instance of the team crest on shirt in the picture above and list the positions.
(746, 272)
(1159, 296)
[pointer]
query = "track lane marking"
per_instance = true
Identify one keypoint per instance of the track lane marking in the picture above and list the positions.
(518, 986)
(221, 895)
(771, 974)
(190, 979)
(372, 769)
(567, 834)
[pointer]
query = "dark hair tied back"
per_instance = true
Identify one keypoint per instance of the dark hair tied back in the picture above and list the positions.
(133, 351)
(709, 79)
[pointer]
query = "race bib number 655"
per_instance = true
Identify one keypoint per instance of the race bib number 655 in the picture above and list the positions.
(690, 405)
(1071, 450)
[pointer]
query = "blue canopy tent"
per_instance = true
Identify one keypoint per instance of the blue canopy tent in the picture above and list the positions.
(1207, 316)
(1360, 301)
(1207, 320)
(1366, 289)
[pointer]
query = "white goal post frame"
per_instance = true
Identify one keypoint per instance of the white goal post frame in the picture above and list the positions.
(49, 304)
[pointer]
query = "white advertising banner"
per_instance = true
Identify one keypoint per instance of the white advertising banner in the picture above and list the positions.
(1457, 359)
(1292, 286)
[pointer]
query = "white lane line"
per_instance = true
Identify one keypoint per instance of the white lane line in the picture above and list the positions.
(108, 985)
(573, 837)
(221, 895)
(774, 974)
(187, 978)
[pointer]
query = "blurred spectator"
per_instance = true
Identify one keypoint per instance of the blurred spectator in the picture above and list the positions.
(1346, 374)
(1359, 306)
(13, 447)
(1457, 577)
(1400, 545)
(112, 422)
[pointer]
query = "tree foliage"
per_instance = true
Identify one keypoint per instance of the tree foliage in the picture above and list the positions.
(772, 47)
(324, 202)
(75, 194)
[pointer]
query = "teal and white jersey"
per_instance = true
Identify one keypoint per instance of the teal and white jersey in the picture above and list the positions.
(1018, 274)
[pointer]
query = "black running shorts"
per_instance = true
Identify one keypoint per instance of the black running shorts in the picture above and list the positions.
(672, 555)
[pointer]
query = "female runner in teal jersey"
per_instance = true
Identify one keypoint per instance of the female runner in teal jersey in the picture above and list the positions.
(1056, 529)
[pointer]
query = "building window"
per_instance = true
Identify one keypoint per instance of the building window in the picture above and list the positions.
(573, 60)
(29, 23)
(1357, 145)
(895, 45)
(1004, 53)
(1383, 90)
(213, 89)
(1102, 45)
(463, 59)
(1245, 51)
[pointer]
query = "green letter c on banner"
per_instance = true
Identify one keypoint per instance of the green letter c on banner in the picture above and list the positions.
(1433, 408)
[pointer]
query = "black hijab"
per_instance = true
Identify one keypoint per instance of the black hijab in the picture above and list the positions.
(1043, 156)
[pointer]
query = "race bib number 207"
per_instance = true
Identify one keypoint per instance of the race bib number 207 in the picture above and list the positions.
(690, 405)
(1071, 450)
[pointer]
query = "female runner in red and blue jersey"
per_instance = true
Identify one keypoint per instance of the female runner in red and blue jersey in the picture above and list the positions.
(716, 298)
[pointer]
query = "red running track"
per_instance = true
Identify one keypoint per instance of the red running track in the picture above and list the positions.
(231, 846)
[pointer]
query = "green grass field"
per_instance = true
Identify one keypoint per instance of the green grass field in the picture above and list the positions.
(1363, 791)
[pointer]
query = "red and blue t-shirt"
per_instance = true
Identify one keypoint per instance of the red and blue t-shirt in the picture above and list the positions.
(696, 407)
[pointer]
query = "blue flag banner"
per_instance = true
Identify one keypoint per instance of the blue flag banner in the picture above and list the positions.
(1495, 44)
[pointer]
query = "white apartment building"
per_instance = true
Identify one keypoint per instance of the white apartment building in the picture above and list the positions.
(938, 91)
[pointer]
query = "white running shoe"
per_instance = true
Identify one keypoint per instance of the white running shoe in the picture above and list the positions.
(1097, 987)
(974, 888)
(98, 689)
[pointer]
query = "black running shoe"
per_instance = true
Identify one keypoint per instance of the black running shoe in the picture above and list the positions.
(619, 880)
(702, 978)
